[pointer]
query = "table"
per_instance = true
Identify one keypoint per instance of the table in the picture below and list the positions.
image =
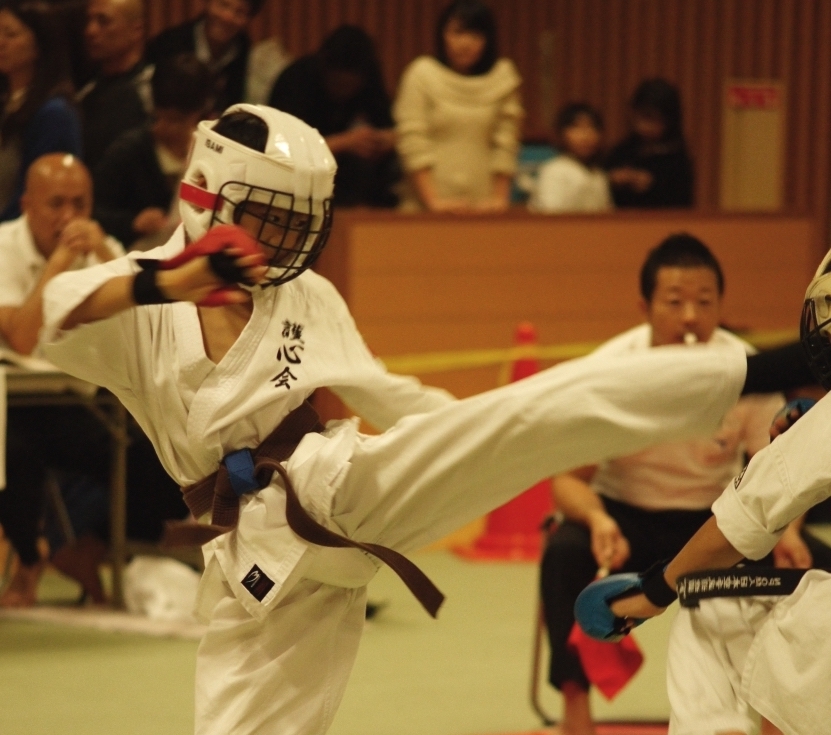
(43, 387)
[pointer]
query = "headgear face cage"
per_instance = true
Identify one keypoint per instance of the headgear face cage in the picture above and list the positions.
(282, 196)
(815, 326)
(292, 232)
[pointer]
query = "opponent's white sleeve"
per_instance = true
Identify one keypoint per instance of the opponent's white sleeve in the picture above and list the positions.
(781, 482)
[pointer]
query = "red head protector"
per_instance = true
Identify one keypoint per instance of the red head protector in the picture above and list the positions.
(277, 185)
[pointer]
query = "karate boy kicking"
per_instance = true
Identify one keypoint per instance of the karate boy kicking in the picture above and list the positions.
(215, 341)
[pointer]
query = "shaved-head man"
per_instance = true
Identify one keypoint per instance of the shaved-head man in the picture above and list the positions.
(118, 98)
(54, 234)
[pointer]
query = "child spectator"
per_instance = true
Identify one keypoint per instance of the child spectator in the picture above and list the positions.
(138, 176)
(651, 167)
(458, 116)
(573, 181)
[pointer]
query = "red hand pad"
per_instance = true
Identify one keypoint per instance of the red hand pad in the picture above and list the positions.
(218, 241)
(219, 238)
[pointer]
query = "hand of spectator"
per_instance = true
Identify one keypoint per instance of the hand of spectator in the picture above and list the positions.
(363, 141)
(386, 140)
(641, 180)
(81, 237)
(492, 204)
(636, 179)
(150, 221)
(609, 545)
(451, 206)
(792, 552)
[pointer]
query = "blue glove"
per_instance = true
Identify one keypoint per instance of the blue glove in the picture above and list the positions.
(594, 614)
(789, 415)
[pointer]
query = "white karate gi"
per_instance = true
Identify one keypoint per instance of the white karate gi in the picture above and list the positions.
(773, 653)
(280, 664)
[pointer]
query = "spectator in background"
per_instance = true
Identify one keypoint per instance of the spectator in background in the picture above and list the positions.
(573, 181)
(137, 178)
(35, 96)
(118, 97)
(458, 115)
(266, 62)
(219, 38)
(340, 91)
(651, 167)
(54, 234)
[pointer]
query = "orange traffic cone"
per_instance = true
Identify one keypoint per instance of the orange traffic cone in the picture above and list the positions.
(512, 531)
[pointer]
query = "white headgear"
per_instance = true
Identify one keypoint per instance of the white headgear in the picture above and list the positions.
(295, 173)
(815, 328)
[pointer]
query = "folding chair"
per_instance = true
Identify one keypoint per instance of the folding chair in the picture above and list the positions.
(549, 525)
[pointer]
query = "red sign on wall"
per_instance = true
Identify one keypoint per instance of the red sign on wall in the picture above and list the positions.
(758, 97)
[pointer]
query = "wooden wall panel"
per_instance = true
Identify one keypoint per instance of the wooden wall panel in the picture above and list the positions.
(599, 50)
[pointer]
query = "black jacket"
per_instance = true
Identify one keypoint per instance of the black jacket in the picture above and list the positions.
(229, 82)
(671, 171)
(128, 180)
(110, 106)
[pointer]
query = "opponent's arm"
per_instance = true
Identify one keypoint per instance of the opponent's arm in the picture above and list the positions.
(791, 552)
(707, 549)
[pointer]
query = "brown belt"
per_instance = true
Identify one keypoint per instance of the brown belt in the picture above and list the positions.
(216, 493)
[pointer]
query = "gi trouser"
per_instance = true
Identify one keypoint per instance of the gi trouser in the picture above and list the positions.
(428, 475)
(732, 656)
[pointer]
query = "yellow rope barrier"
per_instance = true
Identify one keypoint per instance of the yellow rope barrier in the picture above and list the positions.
(440, 362)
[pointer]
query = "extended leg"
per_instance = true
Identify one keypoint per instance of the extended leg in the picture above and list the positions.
(434, 472)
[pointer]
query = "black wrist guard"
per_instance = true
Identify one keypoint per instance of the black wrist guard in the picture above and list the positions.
(655, 587)
(145, 289)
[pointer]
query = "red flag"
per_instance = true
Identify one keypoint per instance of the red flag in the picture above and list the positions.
(609, 666)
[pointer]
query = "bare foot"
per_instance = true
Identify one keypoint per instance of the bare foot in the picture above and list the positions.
(577, 718)
(23, 588)
(80, 561)
(564, 728)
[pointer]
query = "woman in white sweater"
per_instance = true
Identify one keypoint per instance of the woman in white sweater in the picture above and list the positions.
(457, 117)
